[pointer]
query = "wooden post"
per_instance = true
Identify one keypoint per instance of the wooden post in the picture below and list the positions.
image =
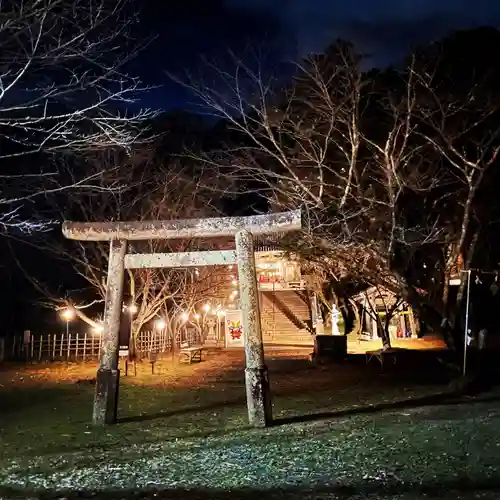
(107, 379)
(76, 348)
(256, 375)
(68, 347)
(61, 345)
(54, 339)
(40, 348)
(413, 326)
(84, 346)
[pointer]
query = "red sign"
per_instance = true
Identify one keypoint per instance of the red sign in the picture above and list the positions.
(269, 279)
(235, 330)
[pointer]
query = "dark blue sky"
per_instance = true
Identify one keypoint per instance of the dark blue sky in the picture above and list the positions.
(287, 29)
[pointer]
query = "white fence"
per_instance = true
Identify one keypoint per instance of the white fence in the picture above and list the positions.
(80, 347)
(52, 347)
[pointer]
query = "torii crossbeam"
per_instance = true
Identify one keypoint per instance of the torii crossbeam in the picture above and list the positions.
(243, 229)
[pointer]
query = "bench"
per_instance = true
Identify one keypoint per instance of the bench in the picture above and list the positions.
(152, 359)
(191, 354)
(382, 356)
(364, 337)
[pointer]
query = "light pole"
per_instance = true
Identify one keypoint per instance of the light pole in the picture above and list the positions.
(132, 310)
(206, 310)
(68, 314)
(184, 334)
(160, 325)
(220, 314)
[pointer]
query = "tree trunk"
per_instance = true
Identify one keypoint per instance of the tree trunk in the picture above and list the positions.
(384, 329)
(353, 322)
(134, 334)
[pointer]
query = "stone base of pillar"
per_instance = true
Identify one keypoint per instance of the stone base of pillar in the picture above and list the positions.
(320, 328)
(260, 411)
(106, 397)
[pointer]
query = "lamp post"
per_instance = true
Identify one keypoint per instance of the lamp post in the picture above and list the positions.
(160, 326)
(220, 315)
(132, 310)
(203, 326)
(68, 314)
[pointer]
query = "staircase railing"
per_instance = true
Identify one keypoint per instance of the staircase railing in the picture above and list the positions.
(272, 297)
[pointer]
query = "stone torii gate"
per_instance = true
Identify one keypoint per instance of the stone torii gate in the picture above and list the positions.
(243, 229)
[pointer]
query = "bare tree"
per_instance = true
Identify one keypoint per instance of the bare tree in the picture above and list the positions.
(368, 157)
(462, 128)
(305, 147)
(63, 89)
(144, 190)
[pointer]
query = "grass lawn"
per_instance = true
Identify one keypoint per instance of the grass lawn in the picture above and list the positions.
(342, 431)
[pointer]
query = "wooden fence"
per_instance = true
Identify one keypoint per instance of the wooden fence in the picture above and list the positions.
(81, 347)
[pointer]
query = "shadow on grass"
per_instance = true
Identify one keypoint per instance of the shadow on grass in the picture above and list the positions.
(182, 411)
(33, 398)
(442, 399)
(447, 398)
(453, 489)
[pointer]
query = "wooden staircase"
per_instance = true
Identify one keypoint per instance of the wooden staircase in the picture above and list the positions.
(285, 318)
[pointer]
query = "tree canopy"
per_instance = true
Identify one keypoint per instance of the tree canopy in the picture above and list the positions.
(393, 168)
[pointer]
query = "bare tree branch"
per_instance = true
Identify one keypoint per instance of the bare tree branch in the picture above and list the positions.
(63, 89)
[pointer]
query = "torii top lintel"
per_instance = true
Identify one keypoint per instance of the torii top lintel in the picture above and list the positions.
(183, 228)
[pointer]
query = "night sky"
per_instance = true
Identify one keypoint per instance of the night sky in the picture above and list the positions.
(286, 29)
(283, 31)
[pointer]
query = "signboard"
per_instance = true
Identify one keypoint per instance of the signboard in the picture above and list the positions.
(234, 329)
(123, 351)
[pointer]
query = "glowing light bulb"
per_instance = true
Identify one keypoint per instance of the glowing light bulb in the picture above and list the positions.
(68, 314)
(160, 324)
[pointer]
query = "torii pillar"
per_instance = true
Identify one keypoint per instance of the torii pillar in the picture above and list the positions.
(256, 375)
(108, 374)
(242, 228)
